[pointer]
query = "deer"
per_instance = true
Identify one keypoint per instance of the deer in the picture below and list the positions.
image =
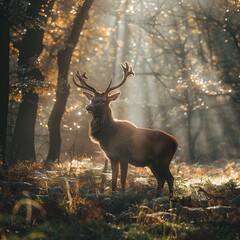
(124, 143)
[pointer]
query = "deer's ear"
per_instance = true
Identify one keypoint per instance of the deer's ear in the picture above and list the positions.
(113, 97)
(89, 96)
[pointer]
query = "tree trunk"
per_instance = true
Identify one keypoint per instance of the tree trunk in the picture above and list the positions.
(4, 81)
(62, 92)
(29, 50)
(23, 138)
(191, 142)
(54, 122)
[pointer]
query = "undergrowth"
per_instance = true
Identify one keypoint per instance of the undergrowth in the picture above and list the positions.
(74, 201)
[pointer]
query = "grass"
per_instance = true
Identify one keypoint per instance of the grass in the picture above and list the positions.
(74, 201)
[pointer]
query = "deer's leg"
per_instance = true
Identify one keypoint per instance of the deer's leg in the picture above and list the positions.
(170, 179)
(124, 169)
(115, 171)
(159, 175)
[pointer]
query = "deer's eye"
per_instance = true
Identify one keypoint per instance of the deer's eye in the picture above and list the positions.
(97, 101)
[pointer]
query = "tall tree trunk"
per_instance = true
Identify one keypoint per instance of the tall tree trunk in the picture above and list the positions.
(4, 80)
(191, 142)
(54, 121)
(62, 92)
(29, 50)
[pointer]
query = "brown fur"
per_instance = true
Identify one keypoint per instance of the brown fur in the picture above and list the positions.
(125, 143)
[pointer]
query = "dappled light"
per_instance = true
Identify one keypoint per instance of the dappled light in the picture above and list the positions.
(103, 103)
(204, 196)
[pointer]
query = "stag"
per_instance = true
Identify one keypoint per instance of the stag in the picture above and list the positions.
(123, 142)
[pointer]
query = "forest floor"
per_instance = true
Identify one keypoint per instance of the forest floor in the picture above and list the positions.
(74, 201)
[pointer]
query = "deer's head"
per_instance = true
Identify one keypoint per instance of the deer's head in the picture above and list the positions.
(100, 100)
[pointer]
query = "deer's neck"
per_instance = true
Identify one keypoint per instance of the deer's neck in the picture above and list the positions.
(101, 123)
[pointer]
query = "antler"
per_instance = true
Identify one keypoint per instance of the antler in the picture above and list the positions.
(82, 78)
(127, 71)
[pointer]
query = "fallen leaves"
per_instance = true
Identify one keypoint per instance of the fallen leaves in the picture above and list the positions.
(205, 197)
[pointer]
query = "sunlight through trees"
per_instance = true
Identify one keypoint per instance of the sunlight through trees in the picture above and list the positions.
(55, 183)
(186, 58)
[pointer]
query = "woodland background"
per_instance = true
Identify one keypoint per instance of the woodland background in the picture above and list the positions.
(186, 58)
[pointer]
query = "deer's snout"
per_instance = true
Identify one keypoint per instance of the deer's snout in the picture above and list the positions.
(89, 108)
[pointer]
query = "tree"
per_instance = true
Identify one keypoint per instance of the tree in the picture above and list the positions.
(63, 60)
(4, 76)
(30, 77)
